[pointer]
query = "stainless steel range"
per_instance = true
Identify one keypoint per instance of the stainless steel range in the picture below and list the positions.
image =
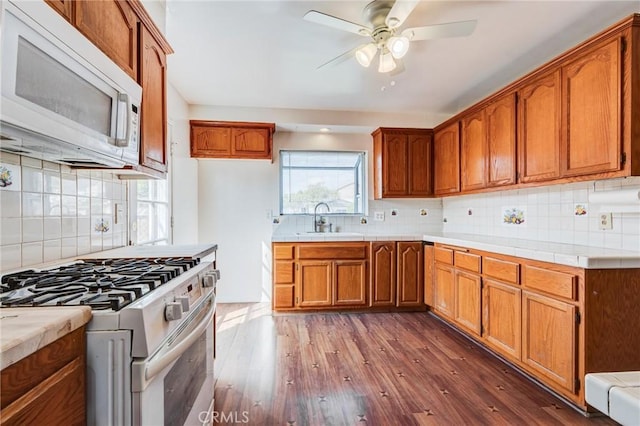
(150, 340)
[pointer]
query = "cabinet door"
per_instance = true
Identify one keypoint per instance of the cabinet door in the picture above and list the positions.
(350, 282)
(446, 160)
(592, 98)
(473, 151)
(549, 338)
(420, 165)
(444, 289)
(501, 317)
(153, 75)
(250, 143)
(539, 116)
(314, 283)
(395, 167)
(383, 274)
(409, 279)
(210, 141)
(63, 7)
(468, 301)
(428, 275)
(112, 26)
(501, 138)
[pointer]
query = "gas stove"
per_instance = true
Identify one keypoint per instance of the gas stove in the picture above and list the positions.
(102, 284)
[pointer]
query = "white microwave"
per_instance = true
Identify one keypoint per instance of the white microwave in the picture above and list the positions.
(63, 99)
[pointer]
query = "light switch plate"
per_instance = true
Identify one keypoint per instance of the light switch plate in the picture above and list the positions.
(378, 216)
(605, 221)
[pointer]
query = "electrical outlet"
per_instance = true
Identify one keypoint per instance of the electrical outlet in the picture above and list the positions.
(378, 216)
(394, 212)
(605, 221)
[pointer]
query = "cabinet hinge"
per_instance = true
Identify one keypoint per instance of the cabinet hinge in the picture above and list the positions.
(577, 384)
(296, 300)
(623, 158)
(578, 317)
(623, 44)
(297, 267)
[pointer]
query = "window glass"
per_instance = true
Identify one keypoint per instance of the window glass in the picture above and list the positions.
(333, 177)
(151, 209)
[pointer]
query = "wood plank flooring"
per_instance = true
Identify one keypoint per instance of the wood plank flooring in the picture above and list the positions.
(376, 369)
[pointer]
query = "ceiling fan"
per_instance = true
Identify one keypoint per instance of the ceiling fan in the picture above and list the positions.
(385, 18)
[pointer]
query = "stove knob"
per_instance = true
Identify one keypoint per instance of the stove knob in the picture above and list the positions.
(173, 311)
(184, 301)
(209, 279)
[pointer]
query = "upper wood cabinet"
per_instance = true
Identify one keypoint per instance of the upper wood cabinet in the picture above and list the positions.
(446, 160)
(63, 7)
(539, 121)
(592, 102)
(230, 139)
(402, 162)
(153, 122)
(111, 25)
(501, 138)
(473, 151)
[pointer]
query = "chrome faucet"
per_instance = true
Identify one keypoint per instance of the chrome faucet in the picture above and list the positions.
(317, 224)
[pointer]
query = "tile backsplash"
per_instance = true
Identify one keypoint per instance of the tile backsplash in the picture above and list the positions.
(411, 217)
(557, 213)
(50, 211)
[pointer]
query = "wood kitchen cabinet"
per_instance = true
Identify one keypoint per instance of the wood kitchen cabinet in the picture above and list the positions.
(410, 272)
(592, 102)
(48, 386)
(428, 274)
(153, 118)
(501, 139)
(539, 125)
(383, 273)
(446, 159)
(555, 322)
(63, 7)
(230, 139)
(111, 25)
(473, 151)
(397, 274)
(402, 162)
(320, 275)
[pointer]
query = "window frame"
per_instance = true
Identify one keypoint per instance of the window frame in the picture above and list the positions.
(133, 214)
(363, 164)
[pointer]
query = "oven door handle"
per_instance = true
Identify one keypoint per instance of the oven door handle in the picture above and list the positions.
(155, 366)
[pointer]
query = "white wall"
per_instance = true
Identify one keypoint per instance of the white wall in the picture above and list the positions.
(183, 171)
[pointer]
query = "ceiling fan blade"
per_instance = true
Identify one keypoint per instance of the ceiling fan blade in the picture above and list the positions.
(340, 59)
(399, 12)
(338, 23)
(451, 29)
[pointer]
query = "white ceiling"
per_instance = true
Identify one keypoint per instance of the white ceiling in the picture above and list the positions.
(262, 54)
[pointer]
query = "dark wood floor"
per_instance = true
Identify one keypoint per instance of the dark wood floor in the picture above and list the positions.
(377, 369)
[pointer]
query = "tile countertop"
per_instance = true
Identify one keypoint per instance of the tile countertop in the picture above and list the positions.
(311, 237)
(23, 331)
(564, 254)
(188, 250)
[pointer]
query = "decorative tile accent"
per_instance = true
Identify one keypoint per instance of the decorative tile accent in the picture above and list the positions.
(513, 216)
(10, 177)
(580, 209)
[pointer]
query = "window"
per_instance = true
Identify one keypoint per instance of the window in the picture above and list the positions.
(150, 208)
(333, 177)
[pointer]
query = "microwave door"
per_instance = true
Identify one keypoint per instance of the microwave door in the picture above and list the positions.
(55, 91)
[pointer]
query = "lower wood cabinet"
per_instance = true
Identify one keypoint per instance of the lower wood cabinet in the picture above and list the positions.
(549, 335)
(501, 309)
(555, 322)
(350, 282)
(397, 274)
(47, 387)
(314, 279)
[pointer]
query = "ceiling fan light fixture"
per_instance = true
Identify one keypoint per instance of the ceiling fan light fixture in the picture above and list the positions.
(387, 64)
(366, 53)
(398, 46)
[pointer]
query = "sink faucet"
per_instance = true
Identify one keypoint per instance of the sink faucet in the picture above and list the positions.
(317, 224)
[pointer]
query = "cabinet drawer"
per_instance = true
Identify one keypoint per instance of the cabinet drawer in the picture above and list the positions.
(468, 261)
(283, 252)
(443, 255)
(557, 283)
(501, 269)
(332, 251)
(284, 272)
(283, 296)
